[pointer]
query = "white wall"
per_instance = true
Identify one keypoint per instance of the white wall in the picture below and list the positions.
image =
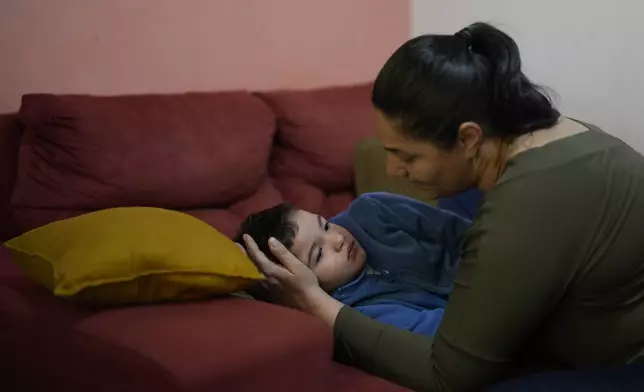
(590, 52)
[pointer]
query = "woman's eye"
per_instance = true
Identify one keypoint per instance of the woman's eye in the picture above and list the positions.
(410, 159)
(327, 226)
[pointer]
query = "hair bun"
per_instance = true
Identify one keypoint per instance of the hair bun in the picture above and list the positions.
(465, 34)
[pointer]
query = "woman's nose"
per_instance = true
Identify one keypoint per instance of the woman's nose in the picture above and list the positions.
(394, 166)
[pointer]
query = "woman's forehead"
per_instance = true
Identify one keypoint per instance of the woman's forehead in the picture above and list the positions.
(394, 142)
(392, 137)
(389, 136)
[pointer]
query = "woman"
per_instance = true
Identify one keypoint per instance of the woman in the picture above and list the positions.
(552, 270)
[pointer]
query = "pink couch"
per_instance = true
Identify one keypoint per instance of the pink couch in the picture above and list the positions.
(217, 156)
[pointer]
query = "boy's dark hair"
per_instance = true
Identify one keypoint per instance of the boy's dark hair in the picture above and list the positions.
(274, 222)
(434, 83)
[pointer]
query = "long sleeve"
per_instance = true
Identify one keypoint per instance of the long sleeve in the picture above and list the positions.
(517, 262)
(424, 322)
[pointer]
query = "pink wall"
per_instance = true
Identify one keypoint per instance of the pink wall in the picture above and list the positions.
(134, 46)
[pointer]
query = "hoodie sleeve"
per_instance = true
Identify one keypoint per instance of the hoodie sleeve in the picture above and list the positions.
(465, 204)
(419, 220)
(415, 242)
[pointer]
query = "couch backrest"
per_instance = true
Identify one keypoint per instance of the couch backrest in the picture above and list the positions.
(203, 153)
(10, 133)
(318, 132)
(218, 156)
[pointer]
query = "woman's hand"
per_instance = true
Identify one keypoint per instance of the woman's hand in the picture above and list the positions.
(287, 284)
(292, 283)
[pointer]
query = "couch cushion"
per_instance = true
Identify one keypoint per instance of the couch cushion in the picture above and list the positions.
(226, 219)
(174, 151)
(10, 134)
(224, 344)
(313, 199)
(218, 345)
(318, 131)
(197, 151)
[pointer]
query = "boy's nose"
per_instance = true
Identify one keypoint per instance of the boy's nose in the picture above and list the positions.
(336, 240)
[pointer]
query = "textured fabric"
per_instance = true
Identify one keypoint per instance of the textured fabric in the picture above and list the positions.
(172, 151)
(226, 220)
(552, 270)
(229, 345)
(465, 204)
(47, 344)
(52, 345)
(10, 134)
(133, 255)
(393, 302)
(318, 131)
(310, 198)
(412, 242)
(414, 250)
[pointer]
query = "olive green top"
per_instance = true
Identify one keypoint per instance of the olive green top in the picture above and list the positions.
(552, 270)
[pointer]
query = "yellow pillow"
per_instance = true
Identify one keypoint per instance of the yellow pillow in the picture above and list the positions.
(133, 255)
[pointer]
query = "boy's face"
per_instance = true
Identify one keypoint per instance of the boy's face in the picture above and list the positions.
(327, 249)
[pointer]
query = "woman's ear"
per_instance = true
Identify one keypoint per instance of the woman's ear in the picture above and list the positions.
(470, 138)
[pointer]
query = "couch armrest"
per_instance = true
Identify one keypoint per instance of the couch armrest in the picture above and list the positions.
(370, 172)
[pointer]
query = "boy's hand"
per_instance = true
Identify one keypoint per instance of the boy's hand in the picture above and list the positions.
(292, 283)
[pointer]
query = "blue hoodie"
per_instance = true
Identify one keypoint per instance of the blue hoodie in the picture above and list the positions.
(412, 254)
(465, 204)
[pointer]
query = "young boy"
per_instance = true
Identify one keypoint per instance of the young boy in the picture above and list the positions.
(391, 257)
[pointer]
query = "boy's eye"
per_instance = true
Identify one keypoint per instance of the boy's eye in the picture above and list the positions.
(327, 226)
(319, 256)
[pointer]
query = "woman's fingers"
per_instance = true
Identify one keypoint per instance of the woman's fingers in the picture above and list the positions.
(287, 258)
(270, 283)
(240, 246)
(269, 268)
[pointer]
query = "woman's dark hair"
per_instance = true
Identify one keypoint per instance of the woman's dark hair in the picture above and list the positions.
(434, 83)
(274, 222)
